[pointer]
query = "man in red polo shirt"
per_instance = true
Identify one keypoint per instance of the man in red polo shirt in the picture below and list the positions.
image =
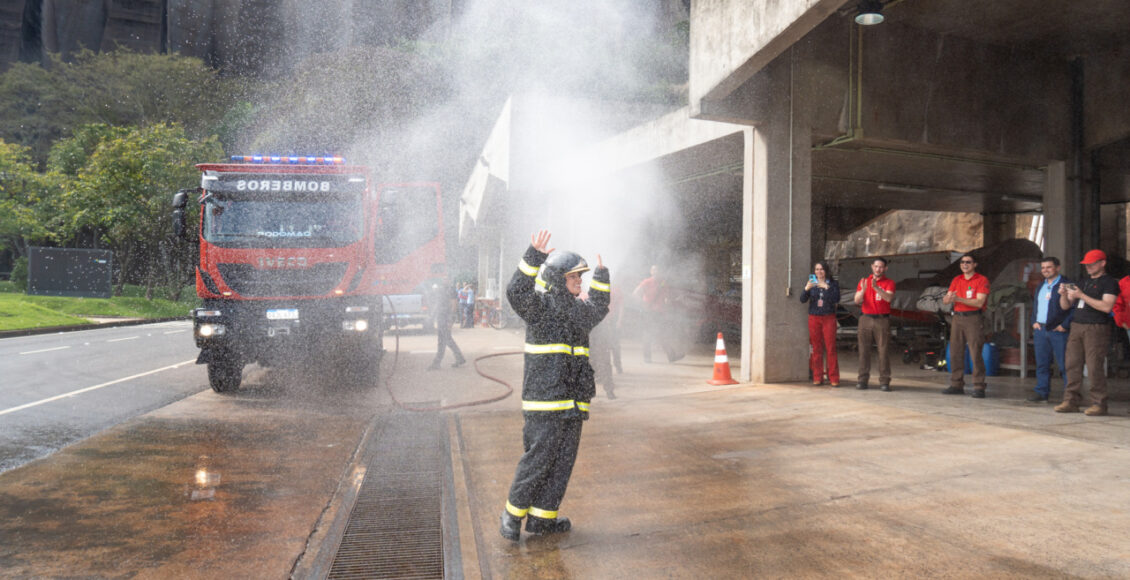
(875, 293)
(968, 293)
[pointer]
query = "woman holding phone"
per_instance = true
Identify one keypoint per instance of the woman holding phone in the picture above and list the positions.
(822, 293)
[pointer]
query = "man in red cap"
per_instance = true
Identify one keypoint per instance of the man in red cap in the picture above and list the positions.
(968, 292)
(1093, 298)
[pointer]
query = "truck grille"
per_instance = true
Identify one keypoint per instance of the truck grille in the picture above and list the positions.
(249, 281)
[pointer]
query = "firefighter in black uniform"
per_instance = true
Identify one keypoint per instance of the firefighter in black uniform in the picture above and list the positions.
(558, 381)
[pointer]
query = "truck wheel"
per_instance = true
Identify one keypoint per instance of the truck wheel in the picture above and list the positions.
(224, 377)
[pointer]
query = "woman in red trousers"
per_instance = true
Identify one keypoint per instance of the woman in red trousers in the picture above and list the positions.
(822, 293)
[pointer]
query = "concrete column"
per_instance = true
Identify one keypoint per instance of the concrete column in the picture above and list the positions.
(997, 228)
(819, 229)
(486, 283)
(776, 241)
(1059, 239)
(1123, 228)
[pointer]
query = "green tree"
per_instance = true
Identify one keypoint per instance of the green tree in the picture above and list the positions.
(36, 107)
(69, 156)
(124, 191)
(40, 105)
(27, 201)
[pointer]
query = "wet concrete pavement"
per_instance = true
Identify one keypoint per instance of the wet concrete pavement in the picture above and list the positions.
(675, 479)
(206, 487)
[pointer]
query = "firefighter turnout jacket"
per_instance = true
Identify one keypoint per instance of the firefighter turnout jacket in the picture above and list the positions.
(558, 379)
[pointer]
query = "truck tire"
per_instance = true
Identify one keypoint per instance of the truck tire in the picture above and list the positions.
(224, 377)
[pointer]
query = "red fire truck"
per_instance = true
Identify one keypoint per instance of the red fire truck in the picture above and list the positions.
(296, 257)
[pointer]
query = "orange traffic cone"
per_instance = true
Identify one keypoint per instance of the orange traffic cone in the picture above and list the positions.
(721, 365)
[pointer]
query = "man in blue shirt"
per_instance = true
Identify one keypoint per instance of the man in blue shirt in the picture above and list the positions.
(467, 305)
(1050, 325)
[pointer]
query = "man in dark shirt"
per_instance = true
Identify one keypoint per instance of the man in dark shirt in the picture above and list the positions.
(1089, 337)
(442, 298)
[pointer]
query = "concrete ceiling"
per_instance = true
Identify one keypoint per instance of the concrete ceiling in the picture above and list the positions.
(1066, 28)
(864, 175)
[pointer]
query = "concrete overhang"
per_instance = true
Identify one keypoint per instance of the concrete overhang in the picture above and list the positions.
(732, 40)
(669, 135)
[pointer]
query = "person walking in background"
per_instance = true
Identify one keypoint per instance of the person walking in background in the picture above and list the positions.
(1050, 325)
(605, 352)
(968, 293)
(1092, 299)
(655, 296)
(442, 298)
(616, 318)
(467, 305)
(557, 384)
(822, 293)
(874, 294)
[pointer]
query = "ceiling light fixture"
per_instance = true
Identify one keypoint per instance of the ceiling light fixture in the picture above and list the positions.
(870, 12)
(1022, 198)
(902, 188)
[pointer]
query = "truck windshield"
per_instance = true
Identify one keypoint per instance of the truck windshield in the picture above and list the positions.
(283, 223)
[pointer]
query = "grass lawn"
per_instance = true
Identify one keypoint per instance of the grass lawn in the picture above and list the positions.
(19, 311)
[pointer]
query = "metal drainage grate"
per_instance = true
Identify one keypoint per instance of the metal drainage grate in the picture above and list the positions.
(395, 528)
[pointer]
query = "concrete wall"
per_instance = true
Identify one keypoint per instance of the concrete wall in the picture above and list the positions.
(919, 88)
(931, 89)
(1106, 116)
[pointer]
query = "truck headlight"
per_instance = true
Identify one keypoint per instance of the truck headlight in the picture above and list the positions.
(210, 330)
(356, 325)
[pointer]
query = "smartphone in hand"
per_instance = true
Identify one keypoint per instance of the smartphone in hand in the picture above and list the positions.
(812, 278)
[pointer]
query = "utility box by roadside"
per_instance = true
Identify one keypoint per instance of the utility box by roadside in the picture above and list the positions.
(73, 272)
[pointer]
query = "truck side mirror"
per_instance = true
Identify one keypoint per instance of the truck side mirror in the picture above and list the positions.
(180, 201)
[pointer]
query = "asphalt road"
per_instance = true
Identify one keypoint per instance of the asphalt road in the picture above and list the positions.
(56, 389)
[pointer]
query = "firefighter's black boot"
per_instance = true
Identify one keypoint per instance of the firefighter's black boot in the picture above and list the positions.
(542, 526)
(511, 527)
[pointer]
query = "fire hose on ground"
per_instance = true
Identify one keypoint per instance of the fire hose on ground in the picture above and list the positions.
(386, 379)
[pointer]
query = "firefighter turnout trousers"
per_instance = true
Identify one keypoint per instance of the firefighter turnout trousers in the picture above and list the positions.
(550, 442)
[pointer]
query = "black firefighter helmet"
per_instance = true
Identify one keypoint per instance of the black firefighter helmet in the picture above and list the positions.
(557, 265)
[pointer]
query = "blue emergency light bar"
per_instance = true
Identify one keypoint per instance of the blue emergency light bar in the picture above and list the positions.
(288, 160)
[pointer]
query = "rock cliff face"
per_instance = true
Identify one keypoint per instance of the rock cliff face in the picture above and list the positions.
(246, 36)
(909, 232)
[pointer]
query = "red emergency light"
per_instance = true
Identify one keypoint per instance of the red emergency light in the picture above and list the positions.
(288, 159)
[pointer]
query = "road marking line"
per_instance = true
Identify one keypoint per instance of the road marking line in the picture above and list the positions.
(121, 339)
(45, 350)
(80, 391)
(175, 331)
